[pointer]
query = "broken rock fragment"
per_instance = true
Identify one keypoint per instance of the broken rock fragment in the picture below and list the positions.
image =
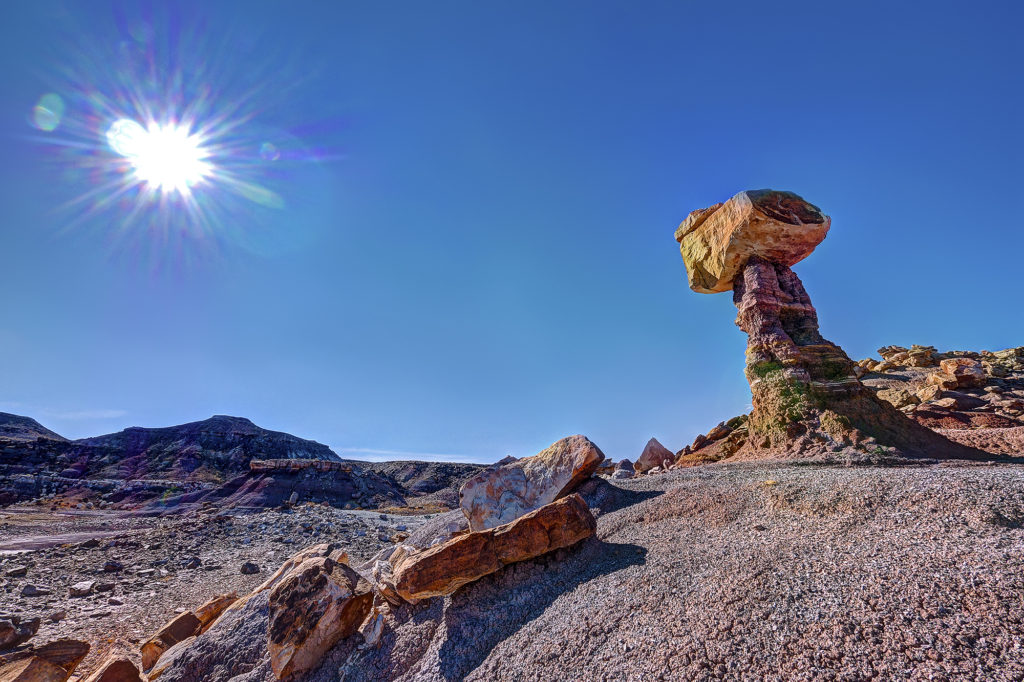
(116, 668)
(318, 604)
(181, 628)
(211, 610)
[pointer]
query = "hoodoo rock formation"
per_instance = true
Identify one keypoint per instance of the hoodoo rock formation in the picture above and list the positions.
(806, 394)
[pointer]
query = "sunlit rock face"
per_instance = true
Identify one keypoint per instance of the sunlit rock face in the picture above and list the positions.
(504, 493)
(717, 241)
(444, 568)
(806, 395)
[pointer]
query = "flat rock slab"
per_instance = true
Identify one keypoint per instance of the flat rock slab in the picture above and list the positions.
(446, 567)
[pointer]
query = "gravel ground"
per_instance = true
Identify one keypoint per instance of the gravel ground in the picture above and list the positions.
(745, 572)
(156, 578)
(727, 571)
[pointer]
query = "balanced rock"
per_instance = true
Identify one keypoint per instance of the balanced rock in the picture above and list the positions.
(717, 241)
(180, 628)
(317, 605)
(502, 494)
(806, 394)
(444, 568)
(654, 455)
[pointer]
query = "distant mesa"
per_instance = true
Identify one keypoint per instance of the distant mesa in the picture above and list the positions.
(223, 461)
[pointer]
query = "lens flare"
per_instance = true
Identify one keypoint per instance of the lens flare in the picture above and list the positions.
(173, 149)
(48, 112)
(165, 158)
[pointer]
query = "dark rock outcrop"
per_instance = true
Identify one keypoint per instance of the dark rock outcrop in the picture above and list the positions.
(210, 450)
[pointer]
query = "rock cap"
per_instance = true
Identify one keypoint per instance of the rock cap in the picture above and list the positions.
(717, 241)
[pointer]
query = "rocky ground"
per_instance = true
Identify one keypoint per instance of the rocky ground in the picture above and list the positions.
(144, 569)
(740, 571)
(726, 571)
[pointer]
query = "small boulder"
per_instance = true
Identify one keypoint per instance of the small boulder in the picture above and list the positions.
(942, 380)
(30, 590)
(249, 568)
(654, 455)
(719, 432)
(113, 566)
(969, 373)
(82, 589)
(318, 604)
(898, 397)
(502, 494)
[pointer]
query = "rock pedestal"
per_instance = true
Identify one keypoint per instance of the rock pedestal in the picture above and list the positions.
(806, 394)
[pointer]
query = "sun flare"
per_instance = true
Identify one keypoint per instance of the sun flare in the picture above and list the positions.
(164, 158)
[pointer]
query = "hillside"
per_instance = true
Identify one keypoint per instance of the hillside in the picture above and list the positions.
(205, 462)
(210, 450)
(17, 428)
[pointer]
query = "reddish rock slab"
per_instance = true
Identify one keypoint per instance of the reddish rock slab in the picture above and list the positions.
(444, 568)
(32, 669)
(182, 627)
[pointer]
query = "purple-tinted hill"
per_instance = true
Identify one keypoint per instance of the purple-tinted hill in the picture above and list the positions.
(214, 449)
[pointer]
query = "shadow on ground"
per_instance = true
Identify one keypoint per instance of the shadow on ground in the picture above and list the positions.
(495, 610)
(603, 497)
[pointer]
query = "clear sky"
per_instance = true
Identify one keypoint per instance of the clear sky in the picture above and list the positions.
(460, 244)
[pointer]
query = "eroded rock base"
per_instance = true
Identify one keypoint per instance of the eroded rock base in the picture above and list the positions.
(806, 396)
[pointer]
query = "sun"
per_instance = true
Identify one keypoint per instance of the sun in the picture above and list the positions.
(164, 158)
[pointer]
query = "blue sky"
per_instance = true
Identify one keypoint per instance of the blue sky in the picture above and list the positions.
(474, 252)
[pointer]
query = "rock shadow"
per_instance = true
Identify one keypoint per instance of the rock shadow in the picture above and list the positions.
(488, 612)
(603, 497)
